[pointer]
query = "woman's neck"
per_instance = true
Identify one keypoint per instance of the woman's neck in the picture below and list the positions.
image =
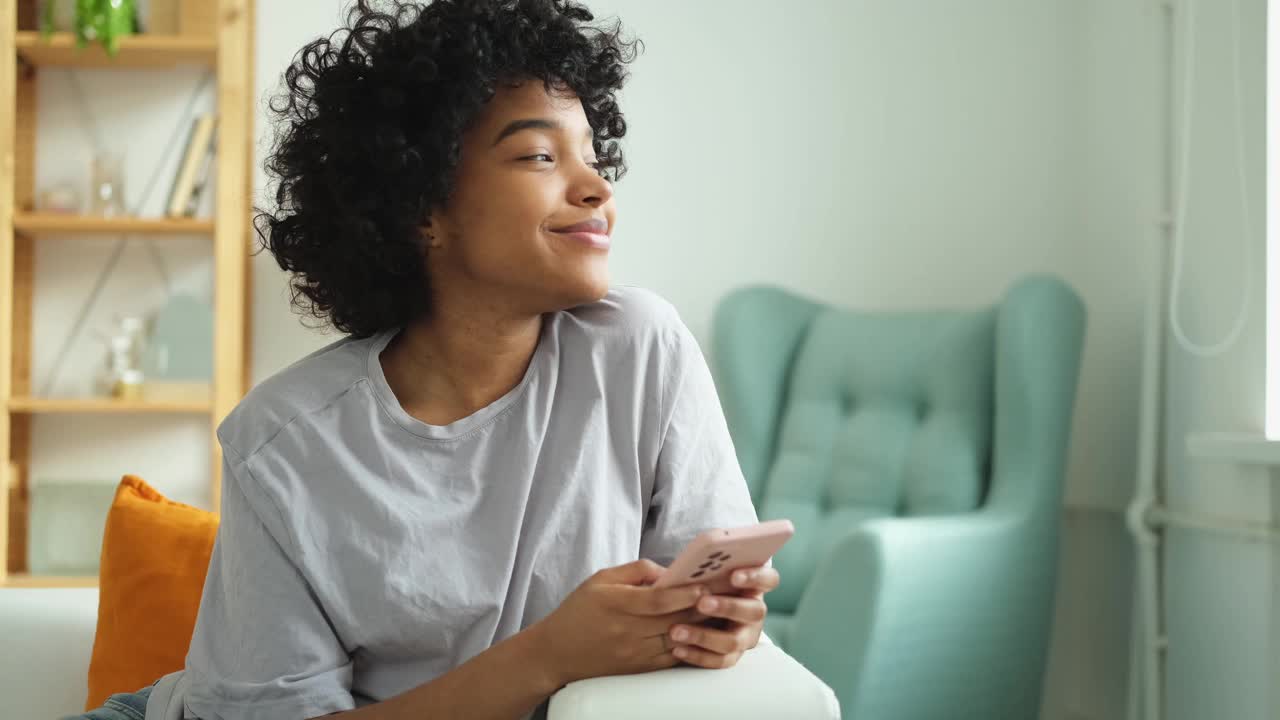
(447, 367)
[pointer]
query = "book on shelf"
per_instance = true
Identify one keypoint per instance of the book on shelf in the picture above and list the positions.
(192, 172)
(202, 178)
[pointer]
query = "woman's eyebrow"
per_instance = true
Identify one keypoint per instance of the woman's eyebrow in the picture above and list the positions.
(516, 126)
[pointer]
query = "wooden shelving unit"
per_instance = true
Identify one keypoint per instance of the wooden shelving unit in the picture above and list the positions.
(227, 48)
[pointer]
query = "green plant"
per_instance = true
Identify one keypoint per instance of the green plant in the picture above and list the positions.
(103, 20)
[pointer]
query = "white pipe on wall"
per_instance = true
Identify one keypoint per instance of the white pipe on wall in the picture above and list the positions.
(1146, 657)
(1147, 646)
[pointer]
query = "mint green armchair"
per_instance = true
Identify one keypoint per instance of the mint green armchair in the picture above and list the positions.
(920, 456)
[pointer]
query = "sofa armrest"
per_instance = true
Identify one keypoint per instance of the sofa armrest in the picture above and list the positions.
(766, 684)
(47, 638)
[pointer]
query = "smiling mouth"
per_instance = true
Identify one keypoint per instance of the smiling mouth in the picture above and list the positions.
(599, 241)
(595, 225)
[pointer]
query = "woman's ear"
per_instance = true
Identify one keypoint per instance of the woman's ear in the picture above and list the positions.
(431, 235)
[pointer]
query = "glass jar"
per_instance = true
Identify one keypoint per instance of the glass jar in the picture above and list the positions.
(106, 185)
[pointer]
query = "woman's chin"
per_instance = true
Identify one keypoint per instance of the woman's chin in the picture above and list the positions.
(586, 288)
(595, 288)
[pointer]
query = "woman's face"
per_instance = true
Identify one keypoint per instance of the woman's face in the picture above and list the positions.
(526, 175)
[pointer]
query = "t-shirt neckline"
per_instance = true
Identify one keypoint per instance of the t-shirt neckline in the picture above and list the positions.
(462, 426)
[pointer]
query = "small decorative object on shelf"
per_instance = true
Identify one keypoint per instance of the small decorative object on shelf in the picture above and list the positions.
(106, 185)
(178, 363)
(60, 197)
(122, 377)
(68, 517)
(103, 20)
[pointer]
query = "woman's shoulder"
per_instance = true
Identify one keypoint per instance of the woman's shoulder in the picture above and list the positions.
(307, 385)
(628, 311)
(629, 332)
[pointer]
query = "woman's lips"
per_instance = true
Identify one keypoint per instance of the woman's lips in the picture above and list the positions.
(600, 241)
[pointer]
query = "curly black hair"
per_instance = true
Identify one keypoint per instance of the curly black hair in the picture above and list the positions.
(370, 129)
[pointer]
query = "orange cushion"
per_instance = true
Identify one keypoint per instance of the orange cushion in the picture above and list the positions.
(155, 554)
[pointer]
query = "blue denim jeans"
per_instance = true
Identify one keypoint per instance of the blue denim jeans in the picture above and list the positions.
(121, 706)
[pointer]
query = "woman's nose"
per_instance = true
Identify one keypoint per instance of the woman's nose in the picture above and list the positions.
(593, 190)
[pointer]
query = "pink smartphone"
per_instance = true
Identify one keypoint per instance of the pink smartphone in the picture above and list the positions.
(711, 556)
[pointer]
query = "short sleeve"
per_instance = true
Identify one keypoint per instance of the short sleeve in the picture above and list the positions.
(698, 484)
(263, 647)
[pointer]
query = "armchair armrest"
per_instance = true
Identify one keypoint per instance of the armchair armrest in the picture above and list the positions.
(933, 616)
(766, 684)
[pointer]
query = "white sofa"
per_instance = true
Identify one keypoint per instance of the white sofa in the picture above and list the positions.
(46, 636)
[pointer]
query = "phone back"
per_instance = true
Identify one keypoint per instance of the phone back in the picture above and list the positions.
(714, 554)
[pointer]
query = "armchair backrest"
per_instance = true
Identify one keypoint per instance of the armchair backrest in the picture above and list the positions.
(839, 416)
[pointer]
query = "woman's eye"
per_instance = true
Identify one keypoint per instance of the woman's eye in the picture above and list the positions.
(539, 155)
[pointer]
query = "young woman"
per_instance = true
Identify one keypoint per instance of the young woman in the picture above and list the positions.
(457, 509)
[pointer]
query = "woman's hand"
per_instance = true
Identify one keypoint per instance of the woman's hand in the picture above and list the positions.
(613, 624)
(743, 615)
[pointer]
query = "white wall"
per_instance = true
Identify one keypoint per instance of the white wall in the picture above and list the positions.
(283, 28)
(1118, 116)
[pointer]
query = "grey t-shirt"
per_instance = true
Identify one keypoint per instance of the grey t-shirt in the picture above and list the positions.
(363, 552)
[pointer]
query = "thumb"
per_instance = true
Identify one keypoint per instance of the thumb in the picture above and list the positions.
(637, 572)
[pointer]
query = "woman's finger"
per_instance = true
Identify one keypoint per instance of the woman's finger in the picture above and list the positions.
(758, 578)
(725, 642)
(737, 609)
(705, 658)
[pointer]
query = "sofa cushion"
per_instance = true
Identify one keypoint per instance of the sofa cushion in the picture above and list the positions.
(155, 555)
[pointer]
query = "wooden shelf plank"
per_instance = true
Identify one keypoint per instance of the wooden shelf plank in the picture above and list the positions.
(136, 51)
(41, 406)
(55, 223)
(24, 580)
